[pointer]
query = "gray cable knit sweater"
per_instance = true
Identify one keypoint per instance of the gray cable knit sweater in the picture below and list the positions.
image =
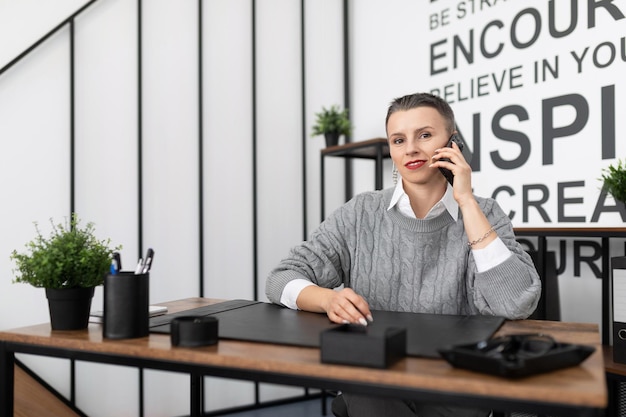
(402, 264)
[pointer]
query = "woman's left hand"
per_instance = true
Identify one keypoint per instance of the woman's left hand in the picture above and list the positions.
(459, 167)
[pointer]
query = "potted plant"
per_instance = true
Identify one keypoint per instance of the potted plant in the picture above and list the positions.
(614, 181)
(69, 264)
(332, 123)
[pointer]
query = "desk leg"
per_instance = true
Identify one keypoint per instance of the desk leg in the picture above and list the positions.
(7, 369)
(197, 386)
(542, 254)
(607, 320)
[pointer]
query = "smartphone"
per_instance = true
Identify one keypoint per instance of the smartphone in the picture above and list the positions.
(446, 172)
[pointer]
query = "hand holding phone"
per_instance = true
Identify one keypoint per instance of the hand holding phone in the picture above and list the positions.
(446, 172)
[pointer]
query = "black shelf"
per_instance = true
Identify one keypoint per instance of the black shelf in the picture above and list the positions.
(376, 149)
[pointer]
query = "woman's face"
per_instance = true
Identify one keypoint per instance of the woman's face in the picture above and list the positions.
(413, 137)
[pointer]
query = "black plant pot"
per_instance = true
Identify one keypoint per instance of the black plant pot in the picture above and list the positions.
(69, 307)
(332, 139)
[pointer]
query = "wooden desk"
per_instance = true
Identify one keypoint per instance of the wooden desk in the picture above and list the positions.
(579, 390)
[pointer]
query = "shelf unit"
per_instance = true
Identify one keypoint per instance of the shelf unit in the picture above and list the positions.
(375, 149)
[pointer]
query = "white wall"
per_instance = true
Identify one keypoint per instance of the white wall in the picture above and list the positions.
(253, 118)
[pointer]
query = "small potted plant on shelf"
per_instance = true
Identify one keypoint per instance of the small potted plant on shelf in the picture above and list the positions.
(69, 264)
(614, 180)
(332, 123)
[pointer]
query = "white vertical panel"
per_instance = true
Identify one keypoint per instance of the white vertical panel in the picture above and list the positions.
(34, 167)
(222, 393)
(114, 393)
(106, 167)
(166, 393)
(389, 54)
(170, 163)
(106, 123)
(170, 146)
(279, 140)
(228, 175)
(324, 49)
(279, 137)
(228, 170)
(389, 58)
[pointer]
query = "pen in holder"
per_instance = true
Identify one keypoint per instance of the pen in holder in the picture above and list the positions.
(126, 304)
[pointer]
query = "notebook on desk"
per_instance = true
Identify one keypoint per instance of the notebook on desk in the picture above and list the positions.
(257, 321)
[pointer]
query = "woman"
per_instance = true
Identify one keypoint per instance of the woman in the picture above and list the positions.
(423, 246)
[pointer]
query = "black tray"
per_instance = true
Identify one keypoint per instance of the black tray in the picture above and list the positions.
(471, 356)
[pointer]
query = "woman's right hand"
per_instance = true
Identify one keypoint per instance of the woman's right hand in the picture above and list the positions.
(341, 306)
(346, 306)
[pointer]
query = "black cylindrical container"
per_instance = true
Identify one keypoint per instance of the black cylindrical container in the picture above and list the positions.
(126, 304)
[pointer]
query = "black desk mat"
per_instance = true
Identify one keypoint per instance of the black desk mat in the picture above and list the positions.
(264, 322)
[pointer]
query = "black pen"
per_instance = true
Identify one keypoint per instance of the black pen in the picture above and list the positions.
(118, 260)
(148, 261)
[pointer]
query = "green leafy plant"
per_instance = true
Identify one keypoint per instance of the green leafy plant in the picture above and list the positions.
(614, 180)
(70, 257)
(332, 120)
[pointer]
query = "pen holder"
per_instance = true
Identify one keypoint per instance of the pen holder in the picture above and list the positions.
(126, 304)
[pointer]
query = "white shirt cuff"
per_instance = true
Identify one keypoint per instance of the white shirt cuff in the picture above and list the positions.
(492, 255)
(292, 291)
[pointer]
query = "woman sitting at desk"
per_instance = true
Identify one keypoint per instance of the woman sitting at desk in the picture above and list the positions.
(423, 246)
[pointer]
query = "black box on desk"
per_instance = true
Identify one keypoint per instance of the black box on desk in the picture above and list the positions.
(351, 344)
(618, 288)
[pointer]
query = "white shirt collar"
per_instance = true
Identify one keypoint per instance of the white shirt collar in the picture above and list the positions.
(447, 202)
